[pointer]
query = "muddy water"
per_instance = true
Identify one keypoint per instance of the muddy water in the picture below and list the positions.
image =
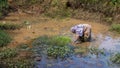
(109, 44)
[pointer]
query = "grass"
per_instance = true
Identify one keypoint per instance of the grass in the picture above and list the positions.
(59, 40)
(58, 13)
(9, 26)
(53, 46)
(55, 40)
(115, 27)
(4, 38)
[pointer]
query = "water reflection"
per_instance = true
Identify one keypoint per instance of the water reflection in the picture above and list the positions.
(109, 44)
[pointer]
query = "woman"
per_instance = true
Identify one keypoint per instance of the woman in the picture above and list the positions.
(82, 32)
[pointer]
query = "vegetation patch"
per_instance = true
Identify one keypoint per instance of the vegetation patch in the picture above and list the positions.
(115, 58)
(96, 51)
(3, 8)
(9, 26)
(23, 47)
(115, 27)
(11, 58)
(56, 46)
(4, 38)
(17, 63)
(58, 11)
(7, 53)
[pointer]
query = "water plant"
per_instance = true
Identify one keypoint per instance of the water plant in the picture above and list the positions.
(96, 51)
(115, 58)
(7, 53)
(56, 46)
(18, 63)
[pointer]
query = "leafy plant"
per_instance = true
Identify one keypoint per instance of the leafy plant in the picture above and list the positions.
(23, 47)
(96, 51)
(59, 51)
(115, 58)
(7, 53)
(56, 46)
(115, 27)
(19, 63)
(4, 38)
(59, 40)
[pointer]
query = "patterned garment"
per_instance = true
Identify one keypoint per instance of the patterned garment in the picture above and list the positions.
(81, 29)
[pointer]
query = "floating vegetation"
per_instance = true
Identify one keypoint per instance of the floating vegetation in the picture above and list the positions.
(96, 51)
(56, 46)
(115, 58)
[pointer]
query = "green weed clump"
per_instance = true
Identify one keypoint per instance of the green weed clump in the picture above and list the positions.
(115, 58)
(59, 40)
(17, 63)
(8, 26)
(96, 51)
(3, 8)
(4, 38)
(115, 27)
(20, 64)
(7, 53)
(56, 46)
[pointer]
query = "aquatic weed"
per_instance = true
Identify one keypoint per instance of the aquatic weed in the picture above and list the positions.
(115, 58)
(55, 46)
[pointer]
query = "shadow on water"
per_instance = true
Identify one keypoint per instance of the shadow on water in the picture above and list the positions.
(110, 46)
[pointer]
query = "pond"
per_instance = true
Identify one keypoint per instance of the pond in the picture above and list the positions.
(110, 46)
